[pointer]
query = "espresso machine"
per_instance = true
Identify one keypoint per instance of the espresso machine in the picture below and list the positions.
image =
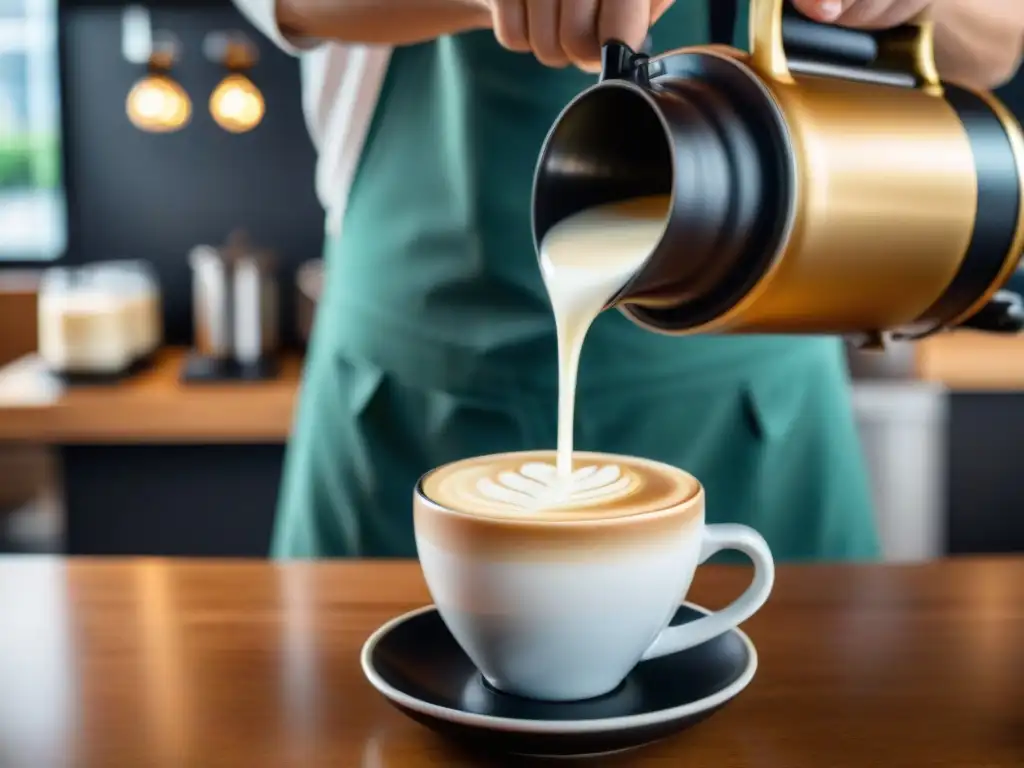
(828, 182)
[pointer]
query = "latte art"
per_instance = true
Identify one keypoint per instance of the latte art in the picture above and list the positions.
(537, 486)
(529, 486)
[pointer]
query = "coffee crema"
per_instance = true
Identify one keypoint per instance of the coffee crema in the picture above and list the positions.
(528, 486)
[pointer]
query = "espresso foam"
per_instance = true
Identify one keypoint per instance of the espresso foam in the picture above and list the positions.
(529, 486)
(585, 260)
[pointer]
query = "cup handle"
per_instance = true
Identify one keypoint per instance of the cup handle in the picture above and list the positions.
(715, 539)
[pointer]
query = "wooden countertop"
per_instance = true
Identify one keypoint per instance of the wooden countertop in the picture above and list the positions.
(160, 663)
(153, 406)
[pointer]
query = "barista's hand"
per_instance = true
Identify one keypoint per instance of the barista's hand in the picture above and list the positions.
(864, 14)
(564, 32)
(978, 43)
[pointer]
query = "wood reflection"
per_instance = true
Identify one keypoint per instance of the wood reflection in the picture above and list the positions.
(299, 665)
(163, 678)
(105, 664)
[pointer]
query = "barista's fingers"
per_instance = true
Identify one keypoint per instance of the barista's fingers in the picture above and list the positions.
(509, 19)
(544, 28)
(826, 11)
(863, 14)
(578, 31)
(881, 14)
(625, 20)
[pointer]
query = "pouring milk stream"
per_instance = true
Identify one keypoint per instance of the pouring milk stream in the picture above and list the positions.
(585, 260)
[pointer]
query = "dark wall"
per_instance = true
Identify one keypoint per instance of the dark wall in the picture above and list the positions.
(1013, 96)
(985, 484)
(138, 195)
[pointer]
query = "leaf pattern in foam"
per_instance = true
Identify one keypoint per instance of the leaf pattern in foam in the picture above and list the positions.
(537, 486)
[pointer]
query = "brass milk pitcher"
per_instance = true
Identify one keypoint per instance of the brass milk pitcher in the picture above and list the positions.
(828, 182)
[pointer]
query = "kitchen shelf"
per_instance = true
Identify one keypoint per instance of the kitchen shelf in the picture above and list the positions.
(969, 361)
(153, 407)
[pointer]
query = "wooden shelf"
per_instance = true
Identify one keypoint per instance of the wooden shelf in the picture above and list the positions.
(155, 407)
(967, 360)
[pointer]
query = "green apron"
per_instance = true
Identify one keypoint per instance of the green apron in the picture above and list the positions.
(435, 341)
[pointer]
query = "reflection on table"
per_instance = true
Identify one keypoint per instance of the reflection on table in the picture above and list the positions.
(155, 663)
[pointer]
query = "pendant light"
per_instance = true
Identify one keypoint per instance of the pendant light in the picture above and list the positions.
(236, 104)
(156, 103)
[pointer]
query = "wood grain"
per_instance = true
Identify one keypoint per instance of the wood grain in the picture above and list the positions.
(969, 360)
(155, 407)
(156, 663)
(19, 294)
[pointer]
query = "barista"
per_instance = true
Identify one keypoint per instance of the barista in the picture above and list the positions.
(434, 339)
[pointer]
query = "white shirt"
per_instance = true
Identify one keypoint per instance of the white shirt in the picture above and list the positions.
(340, 86)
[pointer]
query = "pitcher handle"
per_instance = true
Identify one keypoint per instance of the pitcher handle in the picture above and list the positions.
(909, 47)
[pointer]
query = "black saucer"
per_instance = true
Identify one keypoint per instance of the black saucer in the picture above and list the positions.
(415, 662)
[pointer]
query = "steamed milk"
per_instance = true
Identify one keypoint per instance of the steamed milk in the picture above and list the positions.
(526, 485)
(585, 259)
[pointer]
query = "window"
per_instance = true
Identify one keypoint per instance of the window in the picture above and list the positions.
(32, 204)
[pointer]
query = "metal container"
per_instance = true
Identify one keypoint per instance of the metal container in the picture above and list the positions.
(827, 182)
(212, 311)
(235, 302)
(255, 306)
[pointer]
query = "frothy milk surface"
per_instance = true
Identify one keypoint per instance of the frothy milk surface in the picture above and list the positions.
(527, 486)
(586, 259)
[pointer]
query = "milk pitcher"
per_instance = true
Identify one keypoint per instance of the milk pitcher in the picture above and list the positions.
(828, 182)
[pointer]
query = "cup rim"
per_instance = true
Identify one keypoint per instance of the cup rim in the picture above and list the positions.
(680, 507)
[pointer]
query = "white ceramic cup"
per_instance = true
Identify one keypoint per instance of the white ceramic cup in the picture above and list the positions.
(563, 611)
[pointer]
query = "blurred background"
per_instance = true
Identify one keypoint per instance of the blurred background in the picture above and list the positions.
(159, 246)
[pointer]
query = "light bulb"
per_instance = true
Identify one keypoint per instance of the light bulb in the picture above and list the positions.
(236, 104)
(157, 104)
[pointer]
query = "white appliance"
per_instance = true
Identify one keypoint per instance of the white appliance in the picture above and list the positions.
(903, 428)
